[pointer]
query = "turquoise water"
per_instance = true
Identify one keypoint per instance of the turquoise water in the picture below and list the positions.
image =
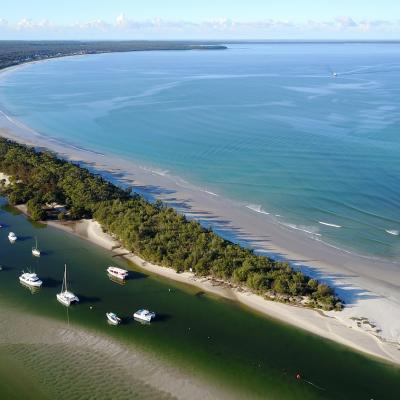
(266, 125)
(220, 342)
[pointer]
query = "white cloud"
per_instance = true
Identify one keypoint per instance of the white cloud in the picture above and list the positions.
(346, 22)
(29, 24)
(125, 27)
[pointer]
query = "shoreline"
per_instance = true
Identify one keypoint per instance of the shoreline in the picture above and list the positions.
(317, 322)
(342, 327)
(369, 301)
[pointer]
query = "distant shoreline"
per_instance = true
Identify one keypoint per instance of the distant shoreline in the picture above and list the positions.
(340, 269)
(14, 53)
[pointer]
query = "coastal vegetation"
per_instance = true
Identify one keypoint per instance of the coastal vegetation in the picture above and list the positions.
(13, 52)
(154, 231)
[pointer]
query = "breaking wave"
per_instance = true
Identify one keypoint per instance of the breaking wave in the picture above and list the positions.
(328, 224)
(257, 208)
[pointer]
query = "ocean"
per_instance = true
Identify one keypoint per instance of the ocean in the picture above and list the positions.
(266, 125)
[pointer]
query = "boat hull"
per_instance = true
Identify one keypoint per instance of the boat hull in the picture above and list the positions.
(143, 317)
(117, 273)
(32, 284)
(113, 320)
(64, 300)
(119, 277)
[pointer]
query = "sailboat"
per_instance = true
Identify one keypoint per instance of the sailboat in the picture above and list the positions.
(35, 250)
(65, 297)
(12, 237)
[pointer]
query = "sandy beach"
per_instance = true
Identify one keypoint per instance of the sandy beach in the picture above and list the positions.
(370, 287)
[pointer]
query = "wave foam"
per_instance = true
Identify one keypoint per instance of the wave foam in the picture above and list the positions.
(303, 229)
(155, 171)
(393, 232)
(257, 208)
(328, 224)
(208, 192)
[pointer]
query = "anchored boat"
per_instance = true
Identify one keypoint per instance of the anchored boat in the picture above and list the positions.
(113, 319)
(66, 297)
(12, 237)
(35, 250)
(144, 315)
(30, 279)
(117, 272)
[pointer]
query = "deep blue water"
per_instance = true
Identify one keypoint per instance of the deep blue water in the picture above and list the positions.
(267, 125)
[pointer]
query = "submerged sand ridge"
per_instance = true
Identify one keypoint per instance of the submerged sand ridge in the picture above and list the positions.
(54, 354)
(371, 288)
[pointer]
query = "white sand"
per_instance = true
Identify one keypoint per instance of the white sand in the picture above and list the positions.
(371, 288)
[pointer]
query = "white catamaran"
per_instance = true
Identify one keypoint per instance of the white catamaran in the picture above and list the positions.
(35, 250)
(65, 297)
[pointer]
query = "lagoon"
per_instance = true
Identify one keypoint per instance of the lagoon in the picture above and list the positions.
(230, 351)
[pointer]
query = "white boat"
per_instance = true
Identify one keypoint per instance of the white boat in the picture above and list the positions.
(35, 250)
(117, 272)
(118, 281)
(144, 315)
(113, 319)
(12, 237)
(30, 279)
(66, 297)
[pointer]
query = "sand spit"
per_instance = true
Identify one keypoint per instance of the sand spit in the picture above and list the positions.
(330, 325)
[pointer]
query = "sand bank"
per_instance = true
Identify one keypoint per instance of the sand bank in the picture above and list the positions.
(371, 288)
(99, 365)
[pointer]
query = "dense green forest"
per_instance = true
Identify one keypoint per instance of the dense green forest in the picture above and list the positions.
(14, 52)
(154, 231)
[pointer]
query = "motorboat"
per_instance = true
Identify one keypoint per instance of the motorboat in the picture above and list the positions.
(113, 319)
(118, 281)
(66, 297)
(117, 272)
(30, 279)
(144, 315)
(12, 237)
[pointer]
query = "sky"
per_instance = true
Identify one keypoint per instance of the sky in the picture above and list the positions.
(201, 19)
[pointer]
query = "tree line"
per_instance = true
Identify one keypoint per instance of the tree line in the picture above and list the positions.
(154, 231)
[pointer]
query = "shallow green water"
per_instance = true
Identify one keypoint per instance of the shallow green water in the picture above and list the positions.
(204, 336)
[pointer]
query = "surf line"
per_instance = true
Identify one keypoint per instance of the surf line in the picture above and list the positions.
(328, 224)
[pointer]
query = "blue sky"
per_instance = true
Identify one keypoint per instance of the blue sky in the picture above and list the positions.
(132, 19)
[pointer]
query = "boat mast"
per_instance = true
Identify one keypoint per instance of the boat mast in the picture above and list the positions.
(65, 279)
